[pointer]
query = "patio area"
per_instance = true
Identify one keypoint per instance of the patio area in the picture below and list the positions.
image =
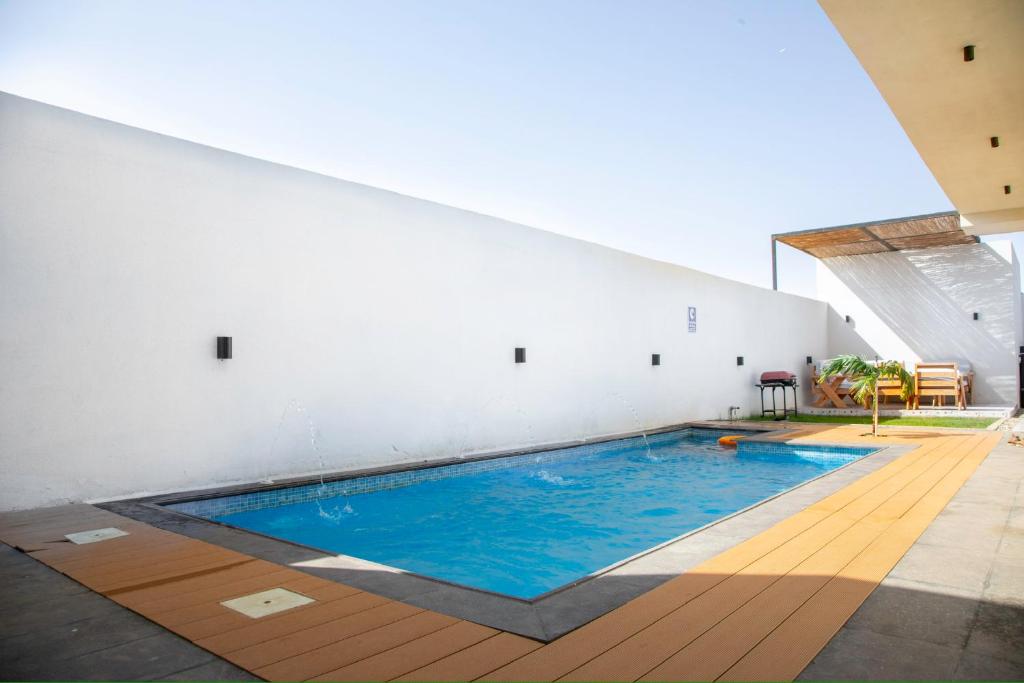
(911, 571)
(440, 342)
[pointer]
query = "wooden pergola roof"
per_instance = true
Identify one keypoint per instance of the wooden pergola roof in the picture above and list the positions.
(897, 234)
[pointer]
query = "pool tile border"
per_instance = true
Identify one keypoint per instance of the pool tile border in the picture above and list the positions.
(214, 507)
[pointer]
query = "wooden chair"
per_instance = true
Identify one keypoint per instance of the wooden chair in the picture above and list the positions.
(967, 374)
(939, 380)
(888, 388)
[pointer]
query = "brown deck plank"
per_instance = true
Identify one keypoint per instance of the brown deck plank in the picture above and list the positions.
(170, 575)
(141, 566)
(576, 647)
(297, 643)
(185, 619)
(114, 551)
(278, 637)
(412, 655)
(168, 596)
(474, 661)
(350, 650)
(171, 612)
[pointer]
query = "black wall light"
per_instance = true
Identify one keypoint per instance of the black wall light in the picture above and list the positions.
(655, 359)
(810, 360)
(520, 354)
(739, 360)
(994, 140)
(977, 315)
(223, 348)
(849, 319)
(1006, 189)
(968, 53)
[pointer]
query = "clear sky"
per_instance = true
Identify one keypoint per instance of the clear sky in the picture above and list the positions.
(686, 131)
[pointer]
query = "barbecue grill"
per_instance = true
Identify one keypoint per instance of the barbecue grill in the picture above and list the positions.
(775, 380)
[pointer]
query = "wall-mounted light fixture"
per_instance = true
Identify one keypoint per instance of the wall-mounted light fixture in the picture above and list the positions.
(1007, 189)
(849, 319)
(977, 316)
(994, 140)
(223, 348)
(968, 53)
(810, 360)
(739, 360)
(520, 354)
(655, 359)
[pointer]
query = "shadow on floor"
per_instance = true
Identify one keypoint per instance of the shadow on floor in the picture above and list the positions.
(52, 628)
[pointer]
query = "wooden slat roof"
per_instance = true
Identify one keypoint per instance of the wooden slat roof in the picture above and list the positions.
(897, 234)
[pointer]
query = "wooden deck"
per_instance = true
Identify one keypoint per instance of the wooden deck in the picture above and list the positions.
(759, 611)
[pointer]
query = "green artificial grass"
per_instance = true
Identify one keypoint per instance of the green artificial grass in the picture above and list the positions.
(962, 422)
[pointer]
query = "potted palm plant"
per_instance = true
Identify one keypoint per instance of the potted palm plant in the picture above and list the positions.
(864, 376)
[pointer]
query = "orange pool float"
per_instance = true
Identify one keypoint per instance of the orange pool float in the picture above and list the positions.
(730, 440)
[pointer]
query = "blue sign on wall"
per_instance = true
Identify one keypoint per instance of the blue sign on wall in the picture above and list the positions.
(691, 315)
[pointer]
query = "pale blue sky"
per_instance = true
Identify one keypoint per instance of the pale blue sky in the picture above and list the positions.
(684, 131)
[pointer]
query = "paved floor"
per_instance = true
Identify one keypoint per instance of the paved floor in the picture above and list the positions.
(761, 610)
(53, 628)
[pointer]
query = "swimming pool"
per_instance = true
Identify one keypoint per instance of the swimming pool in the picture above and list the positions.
(524, 525)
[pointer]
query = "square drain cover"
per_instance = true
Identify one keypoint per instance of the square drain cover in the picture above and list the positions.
(95, 535)
(267, 602)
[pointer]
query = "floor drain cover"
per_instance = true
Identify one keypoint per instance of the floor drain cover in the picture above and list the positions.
(267, 602)
(95, 535)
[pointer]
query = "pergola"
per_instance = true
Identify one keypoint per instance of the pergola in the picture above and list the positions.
(895, 234)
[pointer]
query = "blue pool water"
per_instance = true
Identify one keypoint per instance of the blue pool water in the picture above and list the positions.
(525, 525)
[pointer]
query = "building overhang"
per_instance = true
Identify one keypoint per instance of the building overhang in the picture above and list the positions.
(964, 116)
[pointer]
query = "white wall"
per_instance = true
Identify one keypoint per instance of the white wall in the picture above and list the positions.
(918, 306)
(389, 322)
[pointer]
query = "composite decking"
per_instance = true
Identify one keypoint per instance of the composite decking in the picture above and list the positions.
(758, 611)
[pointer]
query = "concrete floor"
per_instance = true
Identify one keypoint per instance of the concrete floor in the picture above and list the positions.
(953, 608)
(53, 628)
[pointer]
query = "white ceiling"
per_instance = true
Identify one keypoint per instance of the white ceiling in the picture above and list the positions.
(913, 51)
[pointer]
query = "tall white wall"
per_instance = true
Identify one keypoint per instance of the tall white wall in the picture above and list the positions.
(918, 306)
(369, 327)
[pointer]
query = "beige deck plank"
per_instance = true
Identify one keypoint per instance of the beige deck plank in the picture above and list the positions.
(718, 648)
(784, 653)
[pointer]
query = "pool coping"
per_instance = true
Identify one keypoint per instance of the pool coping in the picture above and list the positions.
(544, 617)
